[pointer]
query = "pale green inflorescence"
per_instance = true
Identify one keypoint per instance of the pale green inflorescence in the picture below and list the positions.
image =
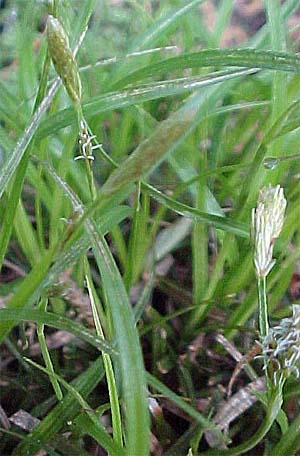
(63, 59)
(282, 347)
(267, 222)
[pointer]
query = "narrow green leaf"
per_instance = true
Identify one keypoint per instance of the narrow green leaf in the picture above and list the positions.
(104, 438)
(65, 411)
(161, 388)
(45, 352)
(162, 25)
(58, 322)
(144, 298)
(290, 440)
(131, 360)
(117, 100)
(16, 155)
(273, 408)
(110, 377)
(67, 258)
(126, 335)
(27, 288)
(248, 58)
(231, 226)
(90, 428)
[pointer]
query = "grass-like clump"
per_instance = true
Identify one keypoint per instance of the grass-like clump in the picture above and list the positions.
(149, 228)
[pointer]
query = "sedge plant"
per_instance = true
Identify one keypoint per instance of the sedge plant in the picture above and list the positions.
(127, 269)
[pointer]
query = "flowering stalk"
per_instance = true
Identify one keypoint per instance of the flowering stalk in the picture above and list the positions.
(267, 222)
(263, 306)
(66, 67)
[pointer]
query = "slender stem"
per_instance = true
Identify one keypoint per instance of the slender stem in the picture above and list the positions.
(90, 178)
(46, 354)
(38, 211)
(263, 307)
(89, 171)
(108, 365)
(200, 248)
(288, 157)
(273, 408)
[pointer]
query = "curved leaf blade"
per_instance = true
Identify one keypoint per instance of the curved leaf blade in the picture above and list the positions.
(245, 58)
(58, 322)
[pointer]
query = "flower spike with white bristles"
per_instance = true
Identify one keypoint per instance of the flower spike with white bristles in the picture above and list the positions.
(267, 222)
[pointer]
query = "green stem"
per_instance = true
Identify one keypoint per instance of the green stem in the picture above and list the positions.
(200, 250)
(46, 354)
(263, 307)
(89, 172)
(274, 406)
(110, 376)
(38, 211)
(90, 177)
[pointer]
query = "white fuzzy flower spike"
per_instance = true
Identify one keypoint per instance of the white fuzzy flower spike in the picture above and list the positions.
(267, 222)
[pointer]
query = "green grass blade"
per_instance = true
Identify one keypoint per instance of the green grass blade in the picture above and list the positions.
(16, 155)
(223, 19)
(125, 332)
(104, 438)
(27, 288)
(46, 354)
(290, 440)
(68, 257)
(144, 298)
(231, 226)
(58, 322)
(26, 234)
(66, 410)
(200, 242)
(248, 58)
(90, 428)
(111, 382)
(272, 411)
(162, 389)
(278, 34)
(82, 20)
(162, 26)
(131, 361)
(117, 100)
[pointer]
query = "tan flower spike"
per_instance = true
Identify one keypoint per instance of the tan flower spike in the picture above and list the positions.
(63, 59)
